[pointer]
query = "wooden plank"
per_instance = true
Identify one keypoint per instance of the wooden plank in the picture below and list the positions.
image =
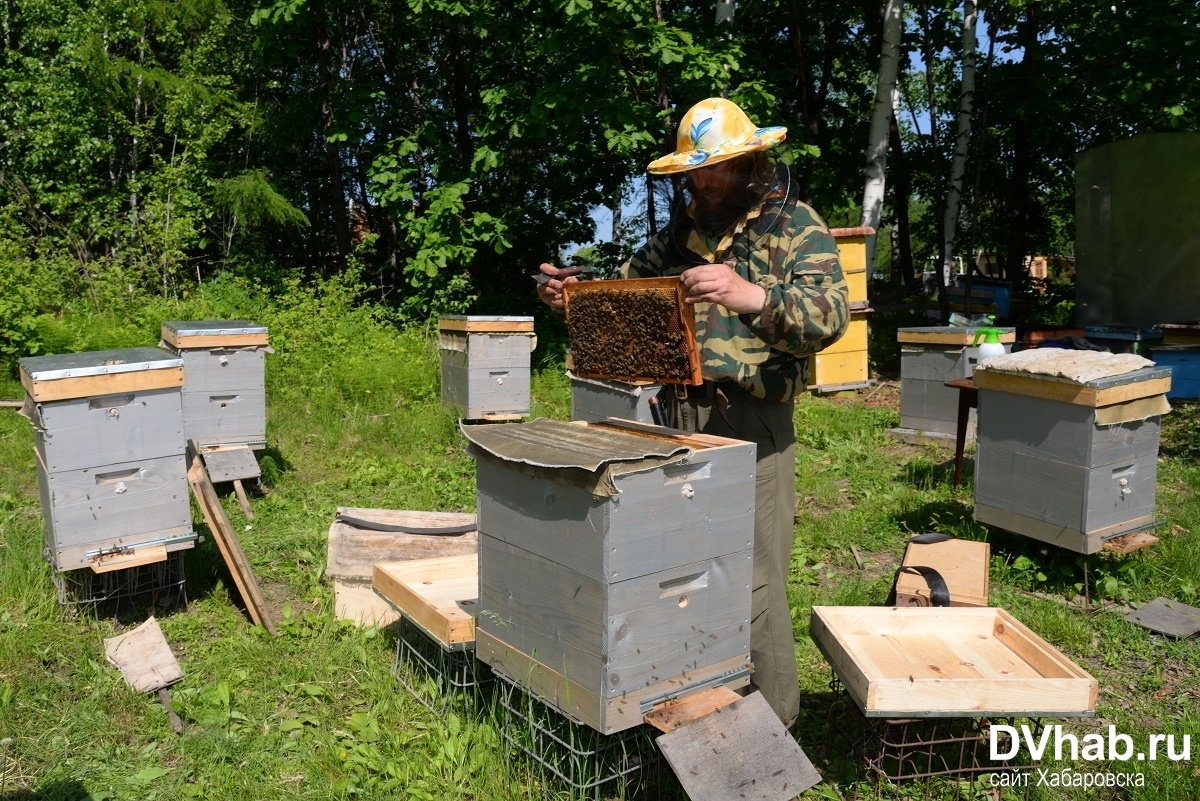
(673, 714)
(962, 336)
(1067, 391)
(739, 751)
(90, 386)
(963, 564)
(208, 341)
(242, 500)
(487, 326)
(144, 657)
(1129, 543)
(230, 463)
(1167, 617)
(439, 595)
(231, 550)
(147, 555)
(356, 600)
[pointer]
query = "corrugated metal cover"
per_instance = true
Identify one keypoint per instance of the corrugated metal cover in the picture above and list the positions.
(570, 453)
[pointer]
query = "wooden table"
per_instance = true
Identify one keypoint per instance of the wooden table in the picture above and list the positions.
(968, 399)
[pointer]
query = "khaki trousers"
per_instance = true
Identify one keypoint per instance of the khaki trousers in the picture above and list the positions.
(768, 424)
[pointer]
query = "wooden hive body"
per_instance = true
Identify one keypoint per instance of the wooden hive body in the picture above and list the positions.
(485, 366)
(929, 357)
(601, 606)
(110, 466)
(224, 392)
(1071, 474)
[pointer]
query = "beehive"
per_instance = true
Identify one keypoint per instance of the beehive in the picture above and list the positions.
(224, 391)
(1071, 463)
(485, 366)
(929, 357)
(1184, 361)
(843, 365)
(615, 567)
(633, 330)
(108, 434)
(593, 399)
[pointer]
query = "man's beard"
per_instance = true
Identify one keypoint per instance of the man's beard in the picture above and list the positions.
(716, 215)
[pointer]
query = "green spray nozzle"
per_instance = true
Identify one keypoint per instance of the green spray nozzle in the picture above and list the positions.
(990, 335)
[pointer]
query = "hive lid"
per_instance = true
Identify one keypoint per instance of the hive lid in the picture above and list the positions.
(496, 324)
(213, 333)
(97, 362)
(949, 334)
(1084, 377)
(570, 453)
(99, 372)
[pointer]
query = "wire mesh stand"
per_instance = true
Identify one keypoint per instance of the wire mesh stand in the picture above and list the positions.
(85, 588)
(442, 679)
(947, 757)
(580, 757)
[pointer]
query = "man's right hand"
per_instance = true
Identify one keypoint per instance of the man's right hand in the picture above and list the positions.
(551, 290)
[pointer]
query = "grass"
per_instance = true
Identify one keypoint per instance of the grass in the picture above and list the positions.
(316, 712)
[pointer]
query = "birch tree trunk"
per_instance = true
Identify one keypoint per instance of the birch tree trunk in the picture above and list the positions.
(966, 108)
(881, 118)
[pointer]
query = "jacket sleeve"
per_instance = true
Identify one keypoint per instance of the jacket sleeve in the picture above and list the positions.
(807, 306)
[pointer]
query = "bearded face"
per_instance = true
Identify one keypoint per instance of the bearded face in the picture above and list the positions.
(725, 191)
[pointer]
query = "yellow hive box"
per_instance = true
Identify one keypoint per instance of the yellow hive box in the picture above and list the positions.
(852, 252)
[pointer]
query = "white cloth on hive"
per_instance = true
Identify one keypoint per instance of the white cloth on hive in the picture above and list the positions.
(1080, 366)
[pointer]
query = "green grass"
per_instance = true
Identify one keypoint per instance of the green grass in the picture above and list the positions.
(316, 712)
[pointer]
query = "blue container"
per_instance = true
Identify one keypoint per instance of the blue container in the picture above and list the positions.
(1001, 292)
(1184, 361)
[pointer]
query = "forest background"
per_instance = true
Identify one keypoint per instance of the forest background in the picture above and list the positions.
(440, 150)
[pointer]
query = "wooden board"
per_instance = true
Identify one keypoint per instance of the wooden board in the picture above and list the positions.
(439, 595)
(229, 463)
(947, 335)
(1167, 617)
(680, 712)
(146, 555)
(1129, 543)
(209, 341)
(485, 325)
(948, 662)
(739, 751)
(144, 658)
(963, 564)
(90, 386)
(1070, 392)
(231, 550)
(356, 600)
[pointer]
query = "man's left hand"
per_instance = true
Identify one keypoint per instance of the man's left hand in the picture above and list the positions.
(718, 283)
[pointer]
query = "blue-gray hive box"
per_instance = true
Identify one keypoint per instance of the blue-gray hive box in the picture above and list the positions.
(929, 357)
(224, 391)
(594, 399)
(615, 563)
(1067, 448)
(108, 435)
(485, 366)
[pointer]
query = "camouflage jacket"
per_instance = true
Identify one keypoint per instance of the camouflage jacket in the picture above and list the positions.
(783, 246)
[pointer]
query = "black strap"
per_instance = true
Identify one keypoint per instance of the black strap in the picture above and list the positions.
(370, 525)
(930, 537)
(939, 594)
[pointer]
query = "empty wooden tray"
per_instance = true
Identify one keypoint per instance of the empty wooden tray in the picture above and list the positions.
(948, 662)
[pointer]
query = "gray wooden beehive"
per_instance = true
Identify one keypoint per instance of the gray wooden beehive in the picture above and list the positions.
(1068, 463)
(929, 357)
(224, 391)
(615, 567)
(108, 434)
(485, 366)
(593, 399)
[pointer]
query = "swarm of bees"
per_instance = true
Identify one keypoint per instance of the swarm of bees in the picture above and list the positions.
(631, 330)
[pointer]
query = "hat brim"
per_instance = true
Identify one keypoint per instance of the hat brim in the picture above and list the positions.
(763, 139)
